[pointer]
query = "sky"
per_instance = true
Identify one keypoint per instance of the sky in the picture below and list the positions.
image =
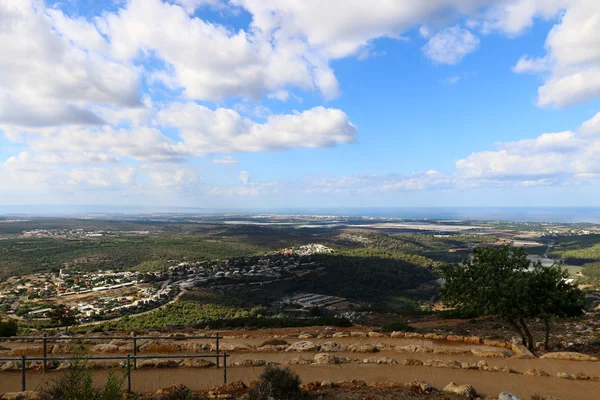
(300, 103)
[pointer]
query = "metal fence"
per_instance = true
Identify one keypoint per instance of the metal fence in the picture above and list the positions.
(23, 360)
(131, 359)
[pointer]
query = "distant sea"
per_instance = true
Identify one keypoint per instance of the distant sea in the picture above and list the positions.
(516, 214)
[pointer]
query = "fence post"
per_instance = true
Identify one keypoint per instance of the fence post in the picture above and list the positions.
(128, 373)
(45, 339)
(218, 349)
(23, 382)
(224, 367)
(134, 351)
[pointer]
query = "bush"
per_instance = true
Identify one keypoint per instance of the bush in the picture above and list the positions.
(277, 383)
(397, 327)
(76, 384)
(8, 328)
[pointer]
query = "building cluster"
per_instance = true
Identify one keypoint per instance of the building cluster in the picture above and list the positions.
(567, 232)
(75, 233)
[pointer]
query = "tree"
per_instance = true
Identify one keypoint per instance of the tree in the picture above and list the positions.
(502, 282)
(8, 328)
(62, 315)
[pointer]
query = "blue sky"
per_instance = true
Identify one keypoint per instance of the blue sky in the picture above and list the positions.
(247, 103)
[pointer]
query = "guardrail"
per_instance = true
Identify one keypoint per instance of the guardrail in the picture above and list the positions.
(45, 339)
(23, 360)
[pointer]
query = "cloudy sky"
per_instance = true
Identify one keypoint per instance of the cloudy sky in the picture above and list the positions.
(292, 103)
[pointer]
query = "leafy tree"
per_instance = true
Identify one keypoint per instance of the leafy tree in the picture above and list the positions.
(277, 383)
(498, 282)
(62, 315)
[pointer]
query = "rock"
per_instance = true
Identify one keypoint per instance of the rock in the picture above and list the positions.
(354, 334)
(362, 348)
(250, 363)
(197, 363)
(120, 342)
(396, 334)
(61, 349)
(194, 347)
(31, 350)
(496, 343)
(157, 363)
(299, 361)
(385, 385)
(508, 396)
(451, 350)
(434, 363)
(380, 360)
(20, 396)
(467, 391)
(353, 384)
(159, 347)
(412, 361)
(302, 346)
(469, 366)
(325, 358)
(564, 375)
(411, 348)
(104, 349)
(174, 392)
(536, 372)
(434, 336)
(327, 384)
(472, 339)
(421, 387)
(521, 351)
(305, 336)
(491, 353)
(233, 389)
(331, 347)
(11, 366)
(569, 355)
(376, 335)
(483, 366)
(413, 335)
(232, 347)
(454, 338)
(272, 348)
(342, 335)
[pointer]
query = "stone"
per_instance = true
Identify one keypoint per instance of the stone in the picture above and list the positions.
(536, 372)
(342, 335)
(569, 355)
(31, 350)
(420, 386)
(233, 389)
(521, 351)
(302, 346)
(413, 335)
(434, 336)
(305, 336)
(454, 338)
(496, 343)
(327, 384)
(299, 361)
(104, 349)
(467, 391)
(250, 363)
(398, 335)
(564, 375)
(376, 335)
(11, 366)
(194, 347)
(451, 350)
(380, 360)
(362, 348)
(325, 358)
(412, 361)
(30, 395)
(491, 353)
(508, 396)
(159, 347)
(157, 363)
(174, 392)
(354, 334)
(121, 342)
(331, 347)
(411, 348)
(232, 347)
(472, 339)
(197, 363)
(272, 348)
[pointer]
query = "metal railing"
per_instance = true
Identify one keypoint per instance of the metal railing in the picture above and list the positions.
(45, 339)
(23, 360)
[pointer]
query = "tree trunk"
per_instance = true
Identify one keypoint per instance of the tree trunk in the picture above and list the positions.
(517, 328)
(530, 344)
(547, 338)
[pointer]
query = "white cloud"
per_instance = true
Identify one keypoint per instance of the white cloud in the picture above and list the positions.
(245, 177)
(227, 160)
(451, 45)
(527, 64)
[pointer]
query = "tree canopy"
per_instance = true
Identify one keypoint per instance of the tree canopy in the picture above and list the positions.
(502, 282)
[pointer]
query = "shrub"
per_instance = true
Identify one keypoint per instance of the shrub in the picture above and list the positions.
(397, 327)
(76, 384)
(8, 328)
(277, 383)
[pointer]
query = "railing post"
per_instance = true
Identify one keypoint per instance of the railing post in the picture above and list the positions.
(134, 351)
(224, 368)
(218, 349)
(128, 373)
(45, 339)
(23, 381)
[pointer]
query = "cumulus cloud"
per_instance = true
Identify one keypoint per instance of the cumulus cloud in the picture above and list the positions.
(245, 177)
(451, 45)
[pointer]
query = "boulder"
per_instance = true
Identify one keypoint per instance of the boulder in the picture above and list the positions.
(376, 335)
(331, 347)
(451, 350)
(420, 386)
(196, 363)
(232, 347)
(434, 336)
(121, 342)
(467, 391)
(157, 363)
(472, 339)
(569, 355)
(413, 335)
(305, 336)
(496, 343)
(250, 363)
(380, 360)
(20, 396)
(271, 348)
(508, 396)
(104, 349)
(31, 350)
(342, 335)
(159, 347)
(11, 366)
(228, 390)
(174, 392)
(362, 348)
(491, 352)
(302, 346)
(325, 358)
(564, 375)
(194, 347)
(61, 349)
(354, 334)
(412, 361)
(398, 335)
(411, 348)
(536, 372)
(521, 351)
(299, 361)
(455, 338)
(327, 384)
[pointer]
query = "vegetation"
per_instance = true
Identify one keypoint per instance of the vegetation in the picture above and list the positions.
(497, 282)
(398, 327)
(277, 383)
(8, 328)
